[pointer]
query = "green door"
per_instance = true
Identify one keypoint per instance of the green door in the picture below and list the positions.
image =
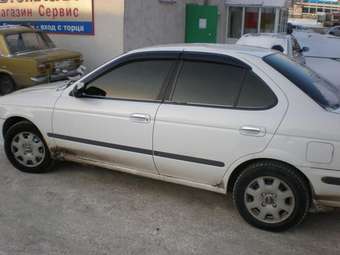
(201, 23)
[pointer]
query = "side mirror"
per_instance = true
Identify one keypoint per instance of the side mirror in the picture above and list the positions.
(290, 29)
(278, 48)
(332, 33)
(305, 49)
(78, 90)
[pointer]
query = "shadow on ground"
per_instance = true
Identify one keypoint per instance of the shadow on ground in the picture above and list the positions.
(85, 210)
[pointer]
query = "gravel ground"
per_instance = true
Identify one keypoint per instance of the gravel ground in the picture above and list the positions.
(83, 210)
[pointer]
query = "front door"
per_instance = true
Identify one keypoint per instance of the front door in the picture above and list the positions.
(217, 113)
(112, 123)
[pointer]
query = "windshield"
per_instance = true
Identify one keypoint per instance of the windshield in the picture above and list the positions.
(28, 41)
(320, 90)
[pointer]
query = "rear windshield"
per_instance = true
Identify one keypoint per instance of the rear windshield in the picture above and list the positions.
(319, 89)
(28, 41)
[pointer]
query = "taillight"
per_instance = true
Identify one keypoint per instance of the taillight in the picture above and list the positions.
(79, 61)
(42, 68)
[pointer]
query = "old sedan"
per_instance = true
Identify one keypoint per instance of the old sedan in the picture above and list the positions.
(29, 57)
(229, 119)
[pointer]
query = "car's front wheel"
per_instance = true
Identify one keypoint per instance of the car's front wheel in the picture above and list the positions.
(7, 85)
(26, 149)
(271, 196)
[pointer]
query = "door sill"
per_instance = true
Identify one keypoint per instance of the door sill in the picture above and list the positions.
(154, 176)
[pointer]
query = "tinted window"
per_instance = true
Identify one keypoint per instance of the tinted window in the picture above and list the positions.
(24, 42)
(320, 90)
(256, 94)
(208, 84)
(141, 80)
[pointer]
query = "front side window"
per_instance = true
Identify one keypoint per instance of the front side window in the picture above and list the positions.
(140, 80)
(204, 83)
(320, 90)
(26, 42)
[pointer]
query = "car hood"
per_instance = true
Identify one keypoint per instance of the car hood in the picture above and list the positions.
(42, 96)
(50, 55)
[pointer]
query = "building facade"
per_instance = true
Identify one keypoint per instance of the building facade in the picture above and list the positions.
(313, 8)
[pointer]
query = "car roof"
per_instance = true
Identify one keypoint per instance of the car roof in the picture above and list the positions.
(225, 49)
(270, 35)
(12, 29)
(266, 40)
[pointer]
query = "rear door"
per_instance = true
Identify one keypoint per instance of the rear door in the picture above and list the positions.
(218, 111)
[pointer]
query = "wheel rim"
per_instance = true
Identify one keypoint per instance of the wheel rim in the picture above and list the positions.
(269, 200)
(6, 86)
(28, 149)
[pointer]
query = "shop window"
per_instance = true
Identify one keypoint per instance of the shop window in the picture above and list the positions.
(283, 20)
(267, 20)
(305, 10)
(312, 10)
(251, 20)
(235, 22)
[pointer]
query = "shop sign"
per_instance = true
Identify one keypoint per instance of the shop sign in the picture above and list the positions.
(54, 16)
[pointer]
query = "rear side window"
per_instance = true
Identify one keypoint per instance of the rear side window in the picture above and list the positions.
(321, 91)
(204, 83)
(255, 94)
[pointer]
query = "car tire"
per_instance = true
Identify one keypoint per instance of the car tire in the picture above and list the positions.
(7, 84)
(272, 196)
(26, 149)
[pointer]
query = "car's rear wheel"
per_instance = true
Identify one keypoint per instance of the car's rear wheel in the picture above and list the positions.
(271, 196)
(7, 84)
(26, 149)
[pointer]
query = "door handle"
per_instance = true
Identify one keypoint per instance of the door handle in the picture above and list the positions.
(252, 131)
(140, 118)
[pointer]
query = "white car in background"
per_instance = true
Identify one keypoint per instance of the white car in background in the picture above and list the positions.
(229, 119)
(285, 43)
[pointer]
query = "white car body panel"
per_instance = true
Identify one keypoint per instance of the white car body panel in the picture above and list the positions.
(99, 116)
(291, 126)
(34, 104)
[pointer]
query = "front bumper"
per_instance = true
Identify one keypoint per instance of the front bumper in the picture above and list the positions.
(62, 75)
(326, 186)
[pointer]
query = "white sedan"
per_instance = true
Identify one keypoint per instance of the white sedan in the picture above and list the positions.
(285, 43)
(228, 119)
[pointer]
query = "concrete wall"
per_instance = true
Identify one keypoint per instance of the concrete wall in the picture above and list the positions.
(149, 22)
(108, 39)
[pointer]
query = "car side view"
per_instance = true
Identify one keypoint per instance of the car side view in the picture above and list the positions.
(228, 119)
